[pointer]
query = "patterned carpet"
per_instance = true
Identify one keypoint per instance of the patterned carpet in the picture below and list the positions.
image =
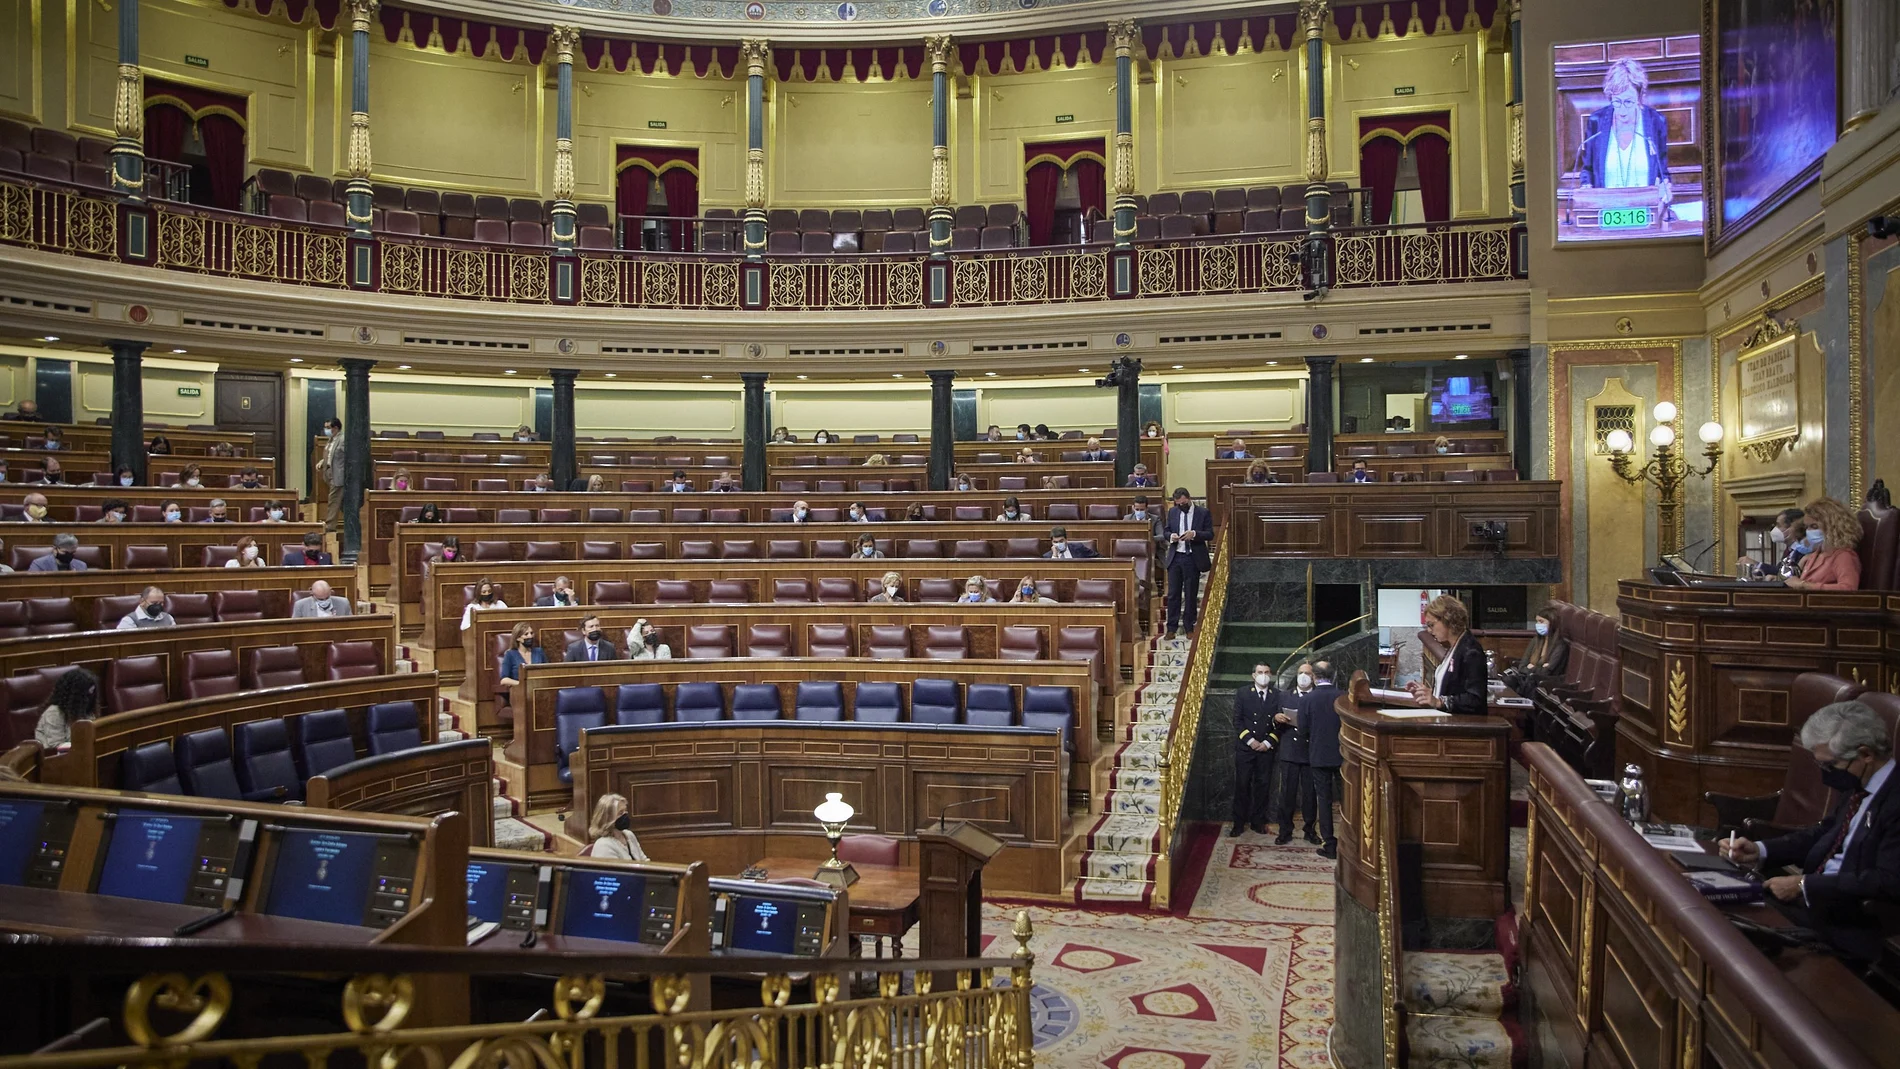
(1243, 981)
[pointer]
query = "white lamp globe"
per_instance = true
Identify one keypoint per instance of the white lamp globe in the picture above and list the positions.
(1710, 433)
(1663, 436)
(1619, 441)
(1665, 412)
(834, 810)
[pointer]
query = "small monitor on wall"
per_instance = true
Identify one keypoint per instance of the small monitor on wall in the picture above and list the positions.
(1627, 132)
(1462, 399)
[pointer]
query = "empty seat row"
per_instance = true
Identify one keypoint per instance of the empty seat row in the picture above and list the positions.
(778, 549)
(55, 155)
(270, 760)
(932, 701)
(58, 616)
(419, 211)
(829, 590)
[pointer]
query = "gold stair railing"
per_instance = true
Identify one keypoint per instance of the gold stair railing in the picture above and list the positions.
(1178, 763)
(954, 1016)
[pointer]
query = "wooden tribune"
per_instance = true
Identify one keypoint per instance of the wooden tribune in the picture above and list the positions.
(1396, 520)
(950, 863)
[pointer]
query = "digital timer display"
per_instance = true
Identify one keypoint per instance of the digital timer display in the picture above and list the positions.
(1626, 218)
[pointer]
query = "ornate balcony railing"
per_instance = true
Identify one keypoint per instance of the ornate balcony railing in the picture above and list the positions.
(209, 242)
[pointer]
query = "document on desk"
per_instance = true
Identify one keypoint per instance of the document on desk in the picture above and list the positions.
(1512, 703)
(1412, 714)
(1674, 837)
(1386, 694)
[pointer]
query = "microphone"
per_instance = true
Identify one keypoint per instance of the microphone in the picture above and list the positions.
(943, 815)
(1703, 552)
(1692, 545)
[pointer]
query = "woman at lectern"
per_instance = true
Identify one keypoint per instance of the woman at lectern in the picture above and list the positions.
(1460, 684)
(612, 829)
(1834, 564)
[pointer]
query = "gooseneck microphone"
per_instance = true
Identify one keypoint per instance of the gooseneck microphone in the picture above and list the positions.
(943, 814)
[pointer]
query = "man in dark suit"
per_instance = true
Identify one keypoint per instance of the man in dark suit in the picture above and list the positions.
(1319, 727)
(1256, 734)
(562, 595)
(1854, 855)
(593, 645)
(1360, 473)
(1189, 529)
(310, 555)
(1296, 786)
(1060, 548)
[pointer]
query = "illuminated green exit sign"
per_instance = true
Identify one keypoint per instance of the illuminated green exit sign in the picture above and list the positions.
(189, 391)
(197, 61)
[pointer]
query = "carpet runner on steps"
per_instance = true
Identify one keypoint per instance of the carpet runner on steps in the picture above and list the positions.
(1461, 1007)
(1119, 858)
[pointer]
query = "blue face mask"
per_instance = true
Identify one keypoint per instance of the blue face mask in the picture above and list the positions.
(1815, 538)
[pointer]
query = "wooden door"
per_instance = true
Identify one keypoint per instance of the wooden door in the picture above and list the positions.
(253, 401)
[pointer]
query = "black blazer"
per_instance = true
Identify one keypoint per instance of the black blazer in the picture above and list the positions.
(546, 601)
(1253, 718)
(577, 650)
(1465, 692)
(1195, 551)
(1075, 553)
(1319, 725)
(1870, 870)
(294, 558)
(1293, 742)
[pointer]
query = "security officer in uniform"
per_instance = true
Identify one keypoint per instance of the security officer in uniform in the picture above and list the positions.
(1257, 733)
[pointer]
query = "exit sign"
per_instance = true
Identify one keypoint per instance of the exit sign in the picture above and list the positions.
(1404, 90)
(656, 124)
(1625, 218)
(197, 61)
(188, 391)
(1065, 118)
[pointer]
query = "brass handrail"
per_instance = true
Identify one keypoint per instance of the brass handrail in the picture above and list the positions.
(1178, 762)
(1314, 639)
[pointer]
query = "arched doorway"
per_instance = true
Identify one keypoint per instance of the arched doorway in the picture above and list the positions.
(1065, 189)
(200, 134)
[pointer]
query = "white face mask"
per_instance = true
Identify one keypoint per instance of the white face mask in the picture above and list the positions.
(250, 552)
(172, 516)
(1443, 449)
(890, 591)
(1543, 628)
(1260, 679)
(188, 482)
(1777, 535)
(276, 514)
(125, 480)
(1152, 433)
(1306, 681)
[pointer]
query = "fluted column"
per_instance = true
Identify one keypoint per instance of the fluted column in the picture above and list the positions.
(943, 446)
(1514, 111)
(1869, 39)
(361, 12)
(128, 408)
(356, 462)
(752, 475)
(1121, 37)
(938, 49)
(756, 53)
(1319, 412)
(1127, 420)
(562, 468)
(128, 109)
(564, 40)
(1319, 211)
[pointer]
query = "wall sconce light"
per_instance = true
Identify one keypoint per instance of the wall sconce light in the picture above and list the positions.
(1668, 469)
(834, 813)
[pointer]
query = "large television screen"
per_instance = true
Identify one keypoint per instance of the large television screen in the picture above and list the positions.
(1775, 72)
(1628, 136)
(1462, 399)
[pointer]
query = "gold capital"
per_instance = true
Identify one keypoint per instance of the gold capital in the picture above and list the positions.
(564, 40)
(1121, 34)
(359, 159)
(361, 12)
(1313, 18)
(128, 104)
(938, 49)
(1515, 112)
(1516, 8)
(756, 54)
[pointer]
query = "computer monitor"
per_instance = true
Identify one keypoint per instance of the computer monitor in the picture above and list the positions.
(604, 904)
(19, 838)
(775, 924)
(343, 877)
(167, 857)
(502, 894)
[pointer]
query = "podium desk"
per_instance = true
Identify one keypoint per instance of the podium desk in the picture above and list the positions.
(1705, 678)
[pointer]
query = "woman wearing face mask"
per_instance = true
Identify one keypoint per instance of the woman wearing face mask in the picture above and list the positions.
(1259, 474)
(822, 438)
(113, 510)
(782, 436)
(1441, 445)
(1545, 656)
(867, 548)
(172, 512)
(915, 513)
(1012, 511)
(522, 649)
(247, 554)
(976, 592)
(1027, 594)
(274, 512)
(524, 433)
(1152, 430)
(1831, 562)
(194, 477)
(612, 831)
(964, 483)
(1460, 686)
(643, 643)
(486, 597)
(891, 592)
(451, 549)
(400, 479)
(125, 477)
(161, 446)
(431, 513)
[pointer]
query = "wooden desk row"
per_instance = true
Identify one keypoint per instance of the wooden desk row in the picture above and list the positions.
(446, 777)
(81, 465)
(278, 588)
(1396, 520)
(63, 502)
(1224, 476)
(98, 436)
(184, 543)
(488, 635)
(732, 792)
(448, 587)
(534, 740)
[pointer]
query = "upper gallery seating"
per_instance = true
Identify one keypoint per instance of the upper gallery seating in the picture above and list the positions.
(420, 212)
(1228, 210)
(55, 155)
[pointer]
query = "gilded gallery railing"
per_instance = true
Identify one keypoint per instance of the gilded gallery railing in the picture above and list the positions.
(229, 244)
(1178, 765)
(186, 994)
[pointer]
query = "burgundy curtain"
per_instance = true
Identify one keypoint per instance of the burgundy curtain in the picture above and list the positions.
(224, 158)
(630, 196)
(1434, 175)
(1041, 183)
(165, 129)
(1091, 183)
(1379, 171)
(682, 203)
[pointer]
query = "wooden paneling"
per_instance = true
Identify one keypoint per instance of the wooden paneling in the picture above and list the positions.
(1393, 520)
(97, 438)
(440, 778)
(534, 744)
(727, 789)
(1223, 476)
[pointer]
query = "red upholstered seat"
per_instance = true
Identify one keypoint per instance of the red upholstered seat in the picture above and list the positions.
(828, 640)
(210, 673)
(708, 641)
(768, 640)
(352, 660)
(888, 642)
(272, 666)
(135, 683)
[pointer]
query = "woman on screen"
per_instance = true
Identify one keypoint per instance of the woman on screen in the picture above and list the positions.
(1625, 145)
(612, 830)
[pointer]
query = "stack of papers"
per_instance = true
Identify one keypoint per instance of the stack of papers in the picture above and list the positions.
(1411, 714)
(1385, 694)
(1677, 837)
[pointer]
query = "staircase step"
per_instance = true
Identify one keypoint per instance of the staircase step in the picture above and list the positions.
(512, 834)
(1119, 801)
(1467, 1042)
(1453, 983)
(1126, 833)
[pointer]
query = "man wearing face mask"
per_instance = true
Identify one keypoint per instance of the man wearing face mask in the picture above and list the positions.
(249, 479)
(1296, 786)
(1256, 736)
(149, 613)
(64, 557)
(219, 513)
(330, 468)
(309, 556)
(1060, 548)
(1318, 726)
(113, 510)
(35, 508)
(1189, 530)
(1789, 538)
(593, 645)
(891, 592)
(857, 514)
(801, 512)
(1853, 856)
(562, 594)
(867, 548)
(321, 602)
